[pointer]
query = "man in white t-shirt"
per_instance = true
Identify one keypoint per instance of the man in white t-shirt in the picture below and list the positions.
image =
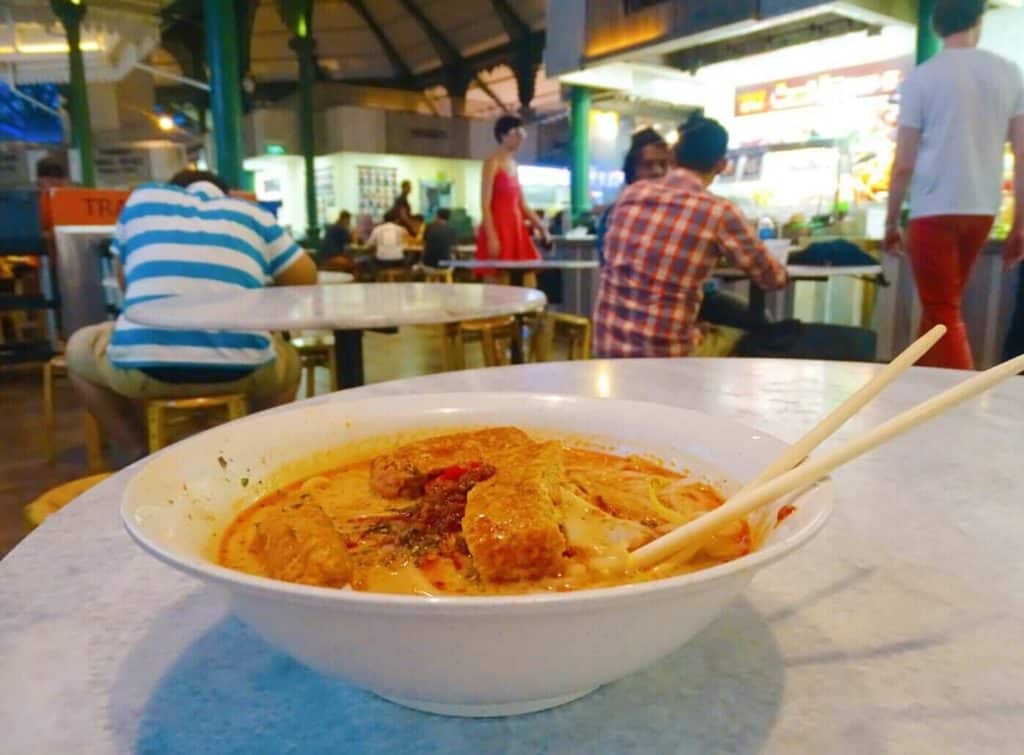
(957, 111)
(388, 241)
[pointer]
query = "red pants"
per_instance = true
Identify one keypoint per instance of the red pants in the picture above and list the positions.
(943, 250)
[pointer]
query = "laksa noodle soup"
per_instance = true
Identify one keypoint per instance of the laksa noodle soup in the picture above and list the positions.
(477, 513)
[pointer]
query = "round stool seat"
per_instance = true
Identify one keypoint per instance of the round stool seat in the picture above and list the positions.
(55, 499)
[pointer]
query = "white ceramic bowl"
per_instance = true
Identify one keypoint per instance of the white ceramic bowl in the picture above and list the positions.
(473, 656)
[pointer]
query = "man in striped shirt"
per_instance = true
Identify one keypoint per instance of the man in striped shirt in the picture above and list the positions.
(187, 237)
(663, 241)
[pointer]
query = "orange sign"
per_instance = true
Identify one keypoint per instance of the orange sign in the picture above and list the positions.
(71, 206)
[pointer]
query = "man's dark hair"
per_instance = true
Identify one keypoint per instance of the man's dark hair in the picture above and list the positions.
(641, 139)
(186, 178)
(952, 16)
(391, 216)
(344, 216)
(703, 143)
(50, 167)
(505, 124)
(444, 214)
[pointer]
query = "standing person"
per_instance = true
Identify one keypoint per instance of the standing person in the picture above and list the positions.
(664, 239)
(956, 111)
(503, 234)
(187, 237)
(438, 239)
(402, 208)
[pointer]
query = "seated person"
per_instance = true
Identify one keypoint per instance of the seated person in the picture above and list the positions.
(187, 237)
(439, 239)
(388, 242)
(648, 159)
(663, 241)
(339, 237)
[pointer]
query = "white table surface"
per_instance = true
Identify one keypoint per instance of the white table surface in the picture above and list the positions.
(897, 630)
(330, 277)
(804, 272)
(352, 306)
(523, 264)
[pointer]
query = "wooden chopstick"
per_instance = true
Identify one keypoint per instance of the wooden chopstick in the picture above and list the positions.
(813, 470)
(832, 422)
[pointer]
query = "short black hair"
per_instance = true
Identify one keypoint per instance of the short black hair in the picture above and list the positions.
(444, 213)
(641, 139)
(952, 16)
(185, 178)
(344, 216)
(505, 124)
(391, 216)
(703, 143)
(50, 167)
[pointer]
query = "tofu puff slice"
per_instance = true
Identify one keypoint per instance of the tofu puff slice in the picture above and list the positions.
(511, 524)
(404, 471)
(297, 542)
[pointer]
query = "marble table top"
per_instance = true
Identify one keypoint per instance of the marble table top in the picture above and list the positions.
(897, 630)
(809, 272)
(352, 306)
(523, 264)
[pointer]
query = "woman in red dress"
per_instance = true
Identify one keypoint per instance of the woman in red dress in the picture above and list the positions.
(503, 233)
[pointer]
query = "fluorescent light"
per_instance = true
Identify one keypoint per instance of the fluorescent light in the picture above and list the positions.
(43, 48)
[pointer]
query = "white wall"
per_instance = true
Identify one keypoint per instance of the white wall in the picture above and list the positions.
(463, 174)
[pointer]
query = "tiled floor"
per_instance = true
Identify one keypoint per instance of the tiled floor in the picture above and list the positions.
(24, 474)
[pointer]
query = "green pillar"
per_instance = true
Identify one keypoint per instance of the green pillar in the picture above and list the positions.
(71, 13)
(225, 88)
(298, 17)
(928, 42)
(579, 146)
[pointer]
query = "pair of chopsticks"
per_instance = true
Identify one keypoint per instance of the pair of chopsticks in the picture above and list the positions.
(793, 470)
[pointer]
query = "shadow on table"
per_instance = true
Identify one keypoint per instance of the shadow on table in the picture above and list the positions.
(231, 692)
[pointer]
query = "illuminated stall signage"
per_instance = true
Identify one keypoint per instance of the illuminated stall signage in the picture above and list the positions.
(827, 87)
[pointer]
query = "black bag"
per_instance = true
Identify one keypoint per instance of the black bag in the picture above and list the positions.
(792, 339)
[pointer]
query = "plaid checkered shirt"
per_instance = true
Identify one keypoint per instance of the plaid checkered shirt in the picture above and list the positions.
(664, 239)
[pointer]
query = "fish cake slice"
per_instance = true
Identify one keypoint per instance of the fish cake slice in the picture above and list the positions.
(511, 525)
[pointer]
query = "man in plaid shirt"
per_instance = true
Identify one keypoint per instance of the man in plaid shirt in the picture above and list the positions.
(663, 241)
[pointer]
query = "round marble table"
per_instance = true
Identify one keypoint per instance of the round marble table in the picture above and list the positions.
(521, 264)
(345, 309)
(896, 630)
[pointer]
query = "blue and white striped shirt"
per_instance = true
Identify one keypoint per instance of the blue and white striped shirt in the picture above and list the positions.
(173, 241)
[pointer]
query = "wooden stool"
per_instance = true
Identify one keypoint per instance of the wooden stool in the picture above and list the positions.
(437, 274)
(55, 499)
(316, 351)
(576, 329)
(393, 275)
(490, 331)
(158, 411)
(93, 435)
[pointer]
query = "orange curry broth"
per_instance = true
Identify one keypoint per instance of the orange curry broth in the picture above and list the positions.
(384, 559)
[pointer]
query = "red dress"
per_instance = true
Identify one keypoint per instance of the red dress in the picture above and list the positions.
(507, 214)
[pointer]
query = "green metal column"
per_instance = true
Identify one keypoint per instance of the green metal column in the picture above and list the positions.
(298, 16)
(225, 88)
(579, 146)
(928, 42)
(71, 13)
